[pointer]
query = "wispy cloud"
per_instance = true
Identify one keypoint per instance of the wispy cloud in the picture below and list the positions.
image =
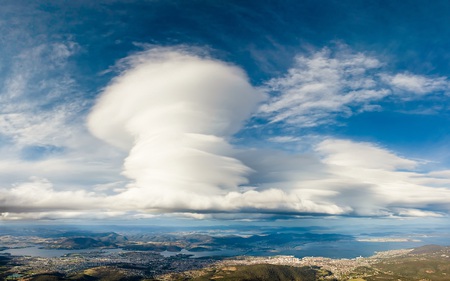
(322, 86)
(284, 139)
(333, 83)
(416, 84)
(42, 128)
(39, 98)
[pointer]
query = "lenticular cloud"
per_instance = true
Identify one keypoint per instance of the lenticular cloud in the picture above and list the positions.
(173, 112)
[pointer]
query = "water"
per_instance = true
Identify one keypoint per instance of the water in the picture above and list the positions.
(35, 251)
(331, 249)
(222, 253)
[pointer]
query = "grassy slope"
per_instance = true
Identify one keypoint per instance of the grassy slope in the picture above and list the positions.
(424, 263)
(263, 272)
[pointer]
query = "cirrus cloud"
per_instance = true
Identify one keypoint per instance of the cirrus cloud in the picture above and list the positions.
(328, 84)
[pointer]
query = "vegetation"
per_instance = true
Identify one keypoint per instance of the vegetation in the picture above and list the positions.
(152, 247)
(260, 272)
(430, 262)
(3, 266)
(92, 274)
(424, 263)
(78, 241)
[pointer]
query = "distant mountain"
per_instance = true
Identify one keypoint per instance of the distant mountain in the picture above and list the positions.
(152, 247)
(274, 240)
(428, 249)
(203, 242)
(79, 243)
(82, 240)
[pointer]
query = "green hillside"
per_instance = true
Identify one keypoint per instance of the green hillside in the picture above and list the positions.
(429, 262)
(264, 272)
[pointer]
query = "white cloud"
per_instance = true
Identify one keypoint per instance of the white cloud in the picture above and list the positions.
(171, 92)
(284, 139)
(176, 152)
(417, 84)
(417, 213)
(283, 184)
(346, 153)
(67, 170)
(172, 114)
(39, 195)
(42, 130)
(382, 181)
(330, 84)
(38, 97)
(323, 86)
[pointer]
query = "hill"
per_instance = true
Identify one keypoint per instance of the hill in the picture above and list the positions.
(257, 272)
(78, 243)
(429, 262)
(82, 240)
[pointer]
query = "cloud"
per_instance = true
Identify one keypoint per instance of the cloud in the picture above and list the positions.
(336, 181)
(417, 84)
(171, 115)
(329, 84)
(38, 195)
(172, 92)
(173, 112)
(67, 171)
(284, 139)
(322, 86)
(38, 97)
(346, 153)
(418, 213)
(42, 130)
(351, 178)
(380, 182)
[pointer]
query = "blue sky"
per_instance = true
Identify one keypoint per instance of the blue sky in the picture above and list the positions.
(225, 110)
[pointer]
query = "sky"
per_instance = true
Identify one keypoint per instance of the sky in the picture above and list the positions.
(224, 110)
